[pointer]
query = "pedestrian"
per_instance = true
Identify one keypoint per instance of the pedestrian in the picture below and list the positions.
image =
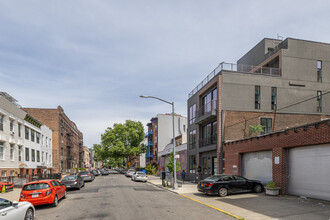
(183, 176)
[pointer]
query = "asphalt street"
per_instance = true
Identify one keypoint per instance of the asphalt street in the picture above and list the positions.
(117, 197)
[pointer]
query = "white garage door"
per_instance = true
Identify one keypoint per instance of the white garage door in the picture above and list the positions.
(258, 166)
(309, 171)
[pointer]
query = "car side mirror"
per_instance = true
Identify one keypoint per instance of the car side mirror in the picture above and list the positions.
(15, 203)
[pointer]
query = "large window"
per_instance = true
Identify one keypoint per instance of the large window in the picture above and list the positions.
(38, 156)
(319, 101)
(11, 152)
(319, 70)
(192, 164)
(257, 97)
(11, 123)
(19, 130)
(192, 114)
(38, 137)
(192, 139)
(209, 101)
(204, 165)
(27, 154)
(209, 134)
(267, 125)
(33, 155)
(1, 122)
(27, 133)
(2, 156)
(274, 98)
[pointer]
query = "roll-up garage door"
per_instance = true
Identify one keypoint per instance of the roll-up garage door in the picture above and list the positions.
(257, 166)
(309, 171)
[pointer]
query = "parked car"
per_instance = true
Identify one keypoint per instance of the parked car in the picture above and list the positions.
(104, 172)
(223, 185)
(86, 175)
(129, 173)
(43, 192)
(140, 176)
(8, 185)
(95, 172)
(73, 182)
(16, 210)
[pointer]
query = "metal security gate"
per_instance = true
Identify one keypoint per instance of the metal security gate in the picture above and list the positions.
(258, 166)
(309, 171)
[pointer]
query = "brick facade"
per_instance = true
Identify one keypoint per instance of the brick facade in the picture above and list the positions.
(67, 140)
(278, 142)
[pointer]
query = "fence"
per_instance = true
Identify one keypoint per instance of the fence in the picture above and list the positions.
(16, 180)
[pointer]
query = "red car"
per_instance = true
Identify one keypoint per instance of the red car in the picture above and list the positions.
(9, 186)
(43, 192)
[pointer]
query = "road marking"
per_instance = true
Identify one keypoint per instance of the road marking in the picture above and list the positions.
(227, 213)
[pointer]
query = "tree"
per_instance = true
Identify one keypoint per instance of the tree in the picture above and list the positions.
(170, 164)
(255, 129)
(123, 140)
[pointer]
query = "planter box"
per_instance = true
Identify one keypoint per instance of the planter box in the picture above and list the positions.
(272, 191)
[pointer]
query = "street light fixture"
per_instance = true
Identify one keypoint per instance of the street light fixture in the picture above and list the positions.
(175, 184)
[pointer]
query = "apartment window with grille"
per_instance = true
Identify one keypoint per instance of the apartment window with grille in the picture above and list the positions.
(319, 101)
(192, 139)
(32, 135)
(3, 173)
(19, 130)
(19, 153)
(33, 155)
(11, 125)
(38, 156)
(12, 173)
(267, 125)
(27, 133)
(27, 154)
(1, 122)
(192, 114)
(257, 97)
(2, 156)
(319, 71)
(192, 164)
(11, 152)
(274, 98)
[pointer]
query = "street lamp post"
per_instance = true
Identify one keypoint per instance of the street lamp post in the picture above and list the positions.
(175, 184)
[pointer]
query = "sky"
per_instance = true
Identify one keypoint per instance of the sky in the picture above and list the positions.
(95, 58)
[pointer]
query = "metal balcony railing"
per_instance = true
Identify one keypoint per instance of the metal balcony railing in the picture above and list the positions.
(207, 108)
(150, 133)
(208, 141)
(237, 68)
(149, 155)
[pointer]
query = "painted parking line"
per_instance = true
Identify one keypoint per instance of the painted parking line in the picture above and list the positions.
(227, 213)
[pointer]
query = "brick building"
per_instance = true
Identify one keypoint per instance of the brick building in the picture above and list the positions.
(277, 84)
(296, 159)
(67, 140)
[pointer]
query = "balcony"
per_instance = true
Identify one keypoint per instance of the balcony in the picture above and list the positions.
(208, 141)
(207, 112)
(150, 133)
(258, 70)
(149, 155)
(150, 143)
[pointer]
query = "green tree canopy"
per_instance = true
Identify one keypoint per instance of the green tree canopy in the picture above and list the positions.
(123, 140)
(170, 164)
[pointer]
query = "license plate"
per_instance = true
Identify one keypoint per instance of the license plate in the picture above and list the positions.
(202, 184)
(35, 195)
(67, 186)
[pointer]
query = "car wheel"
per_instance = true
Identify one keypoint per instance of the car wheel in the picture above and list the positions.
(65, 195)
(29, 214)
(257, 188)
(55, 203)
(223, 192)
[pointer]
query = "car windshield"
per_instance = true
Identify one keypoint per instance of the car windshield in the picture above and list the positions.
(70, 178)
(141, 173)
(4, 203)
(84, 172)
(35, 186)
(212, 178)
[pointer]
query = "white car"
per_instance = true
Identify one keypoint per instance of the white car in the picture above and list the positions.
(16, 210)
(140, 176)
(129, 172)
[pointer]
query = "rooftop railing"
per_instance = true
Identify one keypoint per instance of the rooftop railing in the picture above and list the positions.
(259, 70)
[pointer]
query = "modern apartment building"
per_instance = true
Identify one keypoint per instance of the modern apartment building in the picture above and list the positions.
(160, 134)
(25, 143)
(67, 140)
(277, 84)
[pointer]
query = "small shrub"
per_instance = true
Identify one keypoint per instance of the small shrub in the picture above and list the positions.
(271, 184)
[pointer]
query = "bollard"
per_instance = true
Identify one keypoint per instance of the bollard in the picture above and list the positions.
(3, 189)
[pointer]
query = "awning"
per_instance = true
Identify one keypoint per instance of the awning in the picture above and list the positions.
(23, 165)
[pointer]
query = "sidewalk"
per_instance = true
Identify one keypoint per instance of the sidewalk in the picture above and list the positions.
(255, 206)
(12, 195)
